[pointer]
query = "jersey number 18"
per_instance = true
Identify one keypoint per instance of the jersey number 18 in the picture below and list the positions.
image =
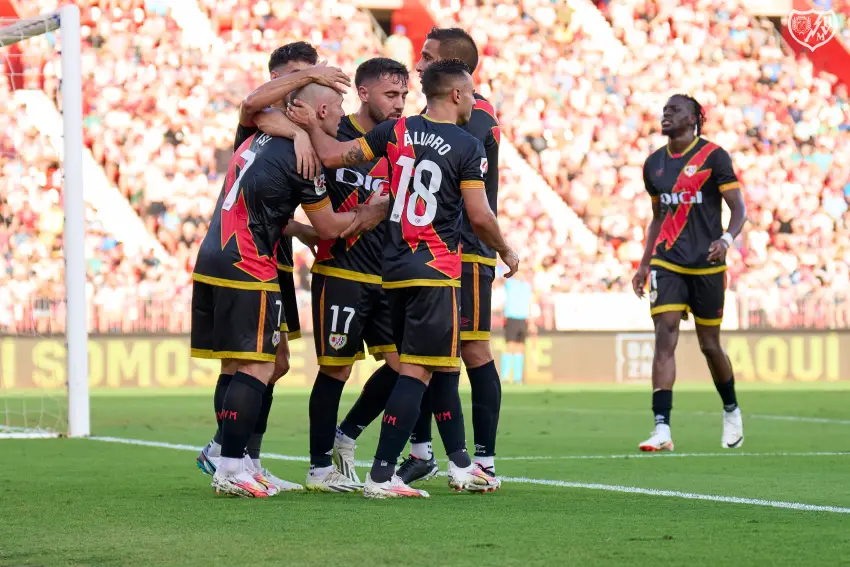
(420, 191)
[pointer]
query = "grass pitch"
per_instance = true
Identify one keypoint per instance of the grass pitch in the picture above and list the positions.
(572, 455)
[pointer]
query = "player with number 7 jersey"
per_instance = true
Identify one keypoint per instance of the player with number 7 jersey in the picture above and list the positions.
(236, 259)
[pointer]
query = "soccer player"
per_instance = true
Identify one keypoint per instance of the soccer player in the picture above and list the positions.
(290, 67)
(685, 259)
(237, 311)
(349, 304)
(436, 169)
(479, 262)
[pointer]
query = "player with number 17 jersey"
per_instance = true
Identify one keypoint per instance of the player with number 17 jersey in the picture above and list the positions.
(431, 163)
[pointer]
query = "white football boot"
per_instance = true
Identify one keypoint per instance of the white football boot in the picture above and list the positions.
(471, 479)
(733, 429)
(329, 479)
(393, 488)
(343, 459)
(661, 440)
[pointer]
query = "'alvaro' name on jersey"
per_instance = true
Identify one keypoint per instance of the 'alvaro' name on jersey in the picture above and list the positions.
(434, 141)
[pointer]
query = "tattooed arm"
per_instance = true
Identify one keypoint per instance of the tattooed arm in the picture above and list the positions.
(332, 153)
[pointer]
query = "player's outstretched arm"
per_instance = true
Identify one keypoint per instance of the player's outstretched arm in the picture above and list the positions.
(273, 121)
(652, 233)
(276, 90)
(332, 153)
(329, 224)
(485, 225)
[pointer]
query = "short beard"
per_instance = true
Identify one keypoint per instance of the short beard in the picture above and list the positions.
(376, 115)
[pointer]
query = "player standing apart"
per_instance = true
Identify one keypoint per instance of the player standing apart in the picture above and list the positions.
(291, 67)
(685, 259)
(518, 297)
(436, 169)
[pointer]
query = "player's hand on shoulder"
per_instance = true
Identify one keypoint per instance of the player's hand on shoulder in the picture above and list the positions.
(332, 77)
(302, 115)
(639, 281)
(308, 163)
(511, 260)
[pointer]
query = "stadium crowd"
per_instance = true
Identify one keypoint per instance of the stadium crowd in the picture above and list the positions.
(159, 117)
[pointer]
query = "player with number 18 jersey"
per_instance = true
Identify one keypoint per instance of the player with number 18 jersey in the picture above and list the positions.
(431, 163)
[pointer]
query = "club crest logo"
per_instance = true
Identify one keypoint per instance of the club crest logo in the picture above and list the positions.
(690, 170)
(319, 184)
(337, 341)
(276, 338)
(484, 166)
(659, 172)
(812, 28)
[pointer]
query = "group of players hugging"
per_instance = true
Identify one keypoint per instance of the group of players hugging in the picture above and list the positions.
(403, 225)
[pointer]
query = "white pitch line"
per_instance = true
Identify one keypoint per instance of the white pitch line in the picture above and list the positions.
(612, 411)
(672, 456)
(685, 495)
(797, 418)
(544, 482)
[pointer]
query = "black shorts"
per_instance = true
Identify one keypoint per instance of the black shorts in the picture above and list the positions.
(476, 292)
(290, 304)
(346, 313)
(235, 323)
(516, 330)
(702, 295)
(425, 322)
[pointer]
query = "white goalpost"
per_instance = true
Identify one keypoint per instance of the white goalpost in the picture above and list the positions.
(19, 409)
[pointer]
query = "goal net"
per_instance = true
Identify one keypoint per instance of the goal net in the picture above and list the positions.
(43, 358)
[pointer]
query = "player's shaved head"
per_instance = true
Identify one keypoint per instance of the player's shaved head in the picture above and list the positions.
(315, 94)
(454, 43)
(327, 103)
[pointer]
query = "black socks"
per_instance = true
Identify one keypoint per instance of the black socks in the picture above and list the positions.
(372, 401)
(399, 418)
(662, 403)
(240, 410)
(324, 406)
(486, 404)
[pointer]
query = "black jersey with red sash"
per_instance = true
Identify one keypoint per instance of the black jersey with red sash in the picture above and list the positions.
(688, 187)
(484, 126)
(356, 258)
(430, 164)
(284, 249)
(261, 191)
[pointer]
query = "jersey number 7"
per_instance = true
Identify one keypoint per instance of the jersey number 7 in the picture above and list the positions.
(244, 161)
(420, 191)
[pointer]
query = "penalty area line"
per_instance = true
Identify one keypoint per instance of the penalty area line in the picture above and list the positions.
(543, 482)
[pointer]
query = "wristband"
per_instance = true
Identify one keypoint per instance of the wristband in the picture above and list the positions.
(728, 239)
